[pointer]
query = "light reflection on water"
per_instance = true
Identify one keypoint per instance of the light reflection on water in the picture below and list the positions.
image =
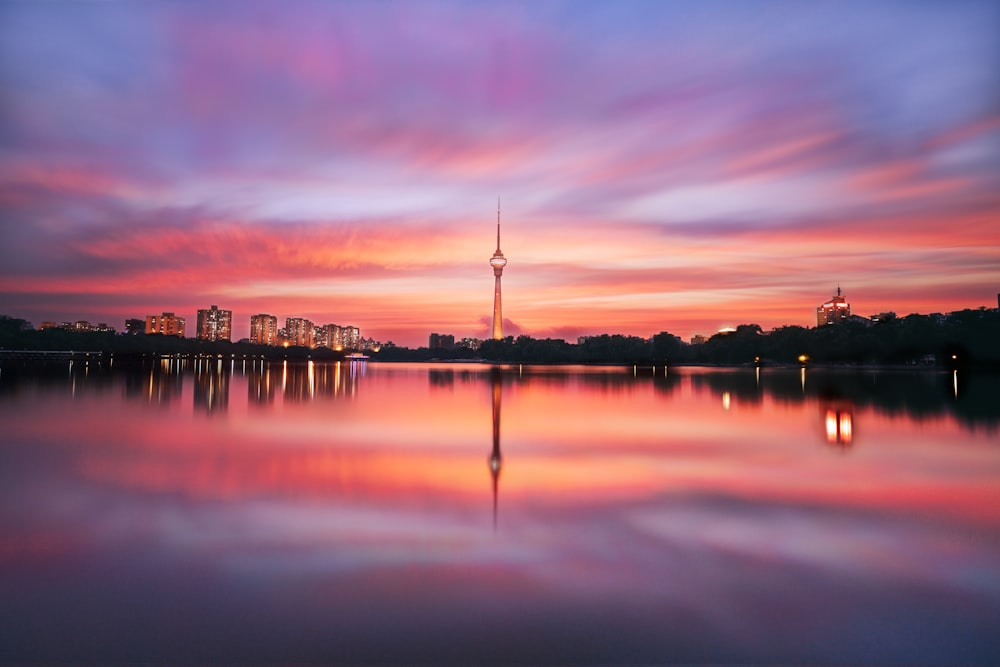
(221, 510)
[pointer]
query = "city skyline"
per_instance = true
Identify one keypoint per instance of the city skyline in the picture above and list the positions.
(664, 166)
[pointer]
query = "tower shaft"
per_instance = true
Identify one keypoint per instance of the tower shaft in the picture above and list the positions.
(497, 310)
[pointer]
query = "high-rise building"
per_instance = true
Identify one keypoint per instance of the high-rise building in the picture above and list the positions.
(498, 261)
(351, 337)
(299, 331)
(330, 336)
(214, 324)
(167, 324)
(834, 311)
(322, 335)
(264, 329)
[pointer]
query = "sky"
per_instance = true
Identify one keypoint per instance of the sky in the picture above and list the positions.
(660, 166)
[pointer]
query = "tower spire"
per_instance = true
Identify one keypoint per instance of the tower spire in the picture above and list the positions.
(498, 223)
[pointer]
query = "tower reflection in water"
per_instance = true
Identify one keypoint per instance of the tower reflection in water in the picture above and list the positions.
(496, 460)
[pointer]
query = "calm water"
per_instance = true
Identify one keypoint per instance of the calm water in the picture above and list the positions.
(365, 513)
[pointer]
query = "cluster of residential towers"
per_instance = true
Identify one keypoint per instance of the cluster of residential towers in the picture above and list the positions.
(216, 324)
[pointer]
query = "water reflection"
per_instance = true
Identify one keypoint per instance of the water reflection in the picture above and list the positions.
(839, 426)
(496, 460)
(639, 527)
(968, 396)
(211, 386)
(304, 382)
(261, 385)
(160, 384)
(441, 379)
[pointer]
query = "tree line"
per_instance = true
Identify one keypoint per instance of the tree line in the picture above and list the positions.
(968, 337)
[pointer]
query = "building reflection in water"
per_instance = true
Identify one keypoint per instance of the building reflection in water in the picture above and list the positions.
(160, 384)
(496, 460)
(297, 382)
(302, 382)
(260, 384)
(839, 426)
(211, 386)
(443, 379)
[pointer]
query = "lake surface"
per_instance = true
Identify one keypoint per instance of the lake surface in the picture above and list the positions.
(239, 512)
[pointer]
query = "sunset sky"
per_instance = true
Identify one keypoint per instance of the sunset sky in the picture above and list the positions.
(660, 166)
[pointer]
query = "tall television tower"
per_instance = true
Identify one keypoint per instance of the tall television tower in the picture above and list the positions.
(498, 261)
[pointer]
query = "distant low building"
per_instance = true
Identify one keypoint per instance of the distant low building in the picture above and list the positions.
(470, 343)
(79, 326)
(834, 311)
(698, 339)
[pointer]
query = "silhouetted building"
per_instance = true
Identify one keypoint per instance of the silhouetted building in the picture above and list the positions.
(834, 311)
(441, 341)
(135, 326)
(167, 324)
(264, 329)
(498, 261)
(698, 339)
(214, 324)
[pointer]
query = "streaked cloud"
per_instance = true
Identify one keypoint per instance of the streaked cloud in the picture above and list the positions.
(660, 165)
